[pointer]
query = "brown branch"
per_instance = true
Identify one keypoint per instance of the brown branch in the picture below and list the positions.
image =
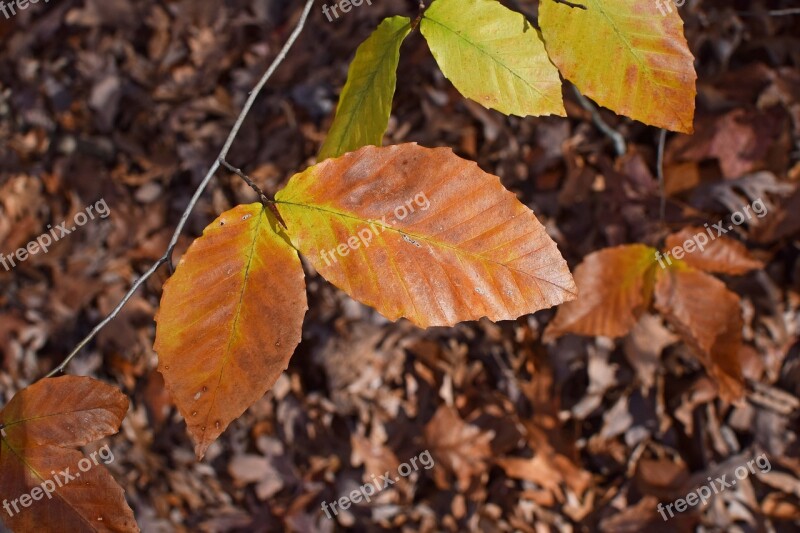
(167, 257)
(570, 4)
(419, 16)
(268, 202)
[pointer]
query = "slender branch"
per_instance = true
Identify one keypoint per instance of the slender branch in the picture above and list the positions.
(167, 257)
(619, 141)
(662, 140)
(772, 13)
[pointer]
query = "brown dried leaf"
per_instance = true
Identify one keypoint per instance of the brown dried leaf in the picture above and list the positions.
(460, 447)
(708, 318)
(615, 286)
(721, 255)
(41, 427)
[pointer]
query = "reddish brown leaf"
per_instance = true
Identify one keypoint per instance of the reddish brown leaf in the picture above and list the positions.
(615, 286)
(41, 426)
(462, 448)
(708, 318)
(230, 319)
(722, 255)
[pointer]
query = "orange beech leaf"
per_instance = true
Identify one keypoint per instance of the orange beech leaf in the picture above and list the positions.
(626, 56)
(615, 286)
(708, 318)
(423, 234)
(722, 255)
(230, 319)
(45, 483)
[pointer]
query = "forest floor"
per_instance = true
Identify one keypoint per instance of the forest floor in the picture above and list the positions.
(128, 102)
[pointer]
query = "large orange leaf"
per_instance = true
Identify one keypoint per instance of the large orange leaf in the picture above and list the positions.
(423, 234)
(45, 483)
(708, 318)
(230, 319)
(615, 286)
(697, 248)
(625, 55)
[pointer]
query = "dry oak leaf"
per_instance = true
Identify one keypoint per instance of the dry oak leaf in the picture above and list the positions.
(41, 428)
(461, 448)
(626, 56)
(423, 234)
(708, 318)
(230, 319)
(721, 255)
(615, 287)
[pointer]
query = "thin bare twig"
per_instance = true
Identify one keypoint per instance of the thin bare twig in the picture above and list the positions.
(616, 137)
(772, 13)
(419, 16)
(662, 140)
(570, 4)
(167, 257)
(261, 195)
(268, 202)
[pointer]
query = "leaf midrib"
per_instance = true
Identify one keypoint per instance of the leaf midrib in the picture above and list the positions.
(430, 241)
(494, 58)
(633, 51)
(22, 460)
(226, 356)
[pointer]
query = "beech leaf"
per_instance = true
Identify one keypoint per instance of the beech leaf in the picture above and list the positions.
(423, 234)
(615, 287)
(230, 319)
(721, 255)
(365, 104)
(708, 318)
(626, 56)
(494, 56)
(42, 426)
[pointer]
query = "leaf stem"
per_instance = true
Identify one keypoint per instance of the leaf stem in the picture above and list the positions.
(615, 136)
(261, 195)
(662, 140)
(167, 257)
(419, 15)
(268, 202)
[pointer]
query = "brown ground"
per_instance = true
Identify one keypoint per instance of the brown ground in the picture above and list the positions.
(130, 101)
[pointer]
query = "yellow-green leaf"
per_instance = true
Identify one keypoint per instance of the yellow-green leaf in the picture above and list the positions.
(230, 319)
(627, 56)
(423, 234)
(366, 100)
(493, 56)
